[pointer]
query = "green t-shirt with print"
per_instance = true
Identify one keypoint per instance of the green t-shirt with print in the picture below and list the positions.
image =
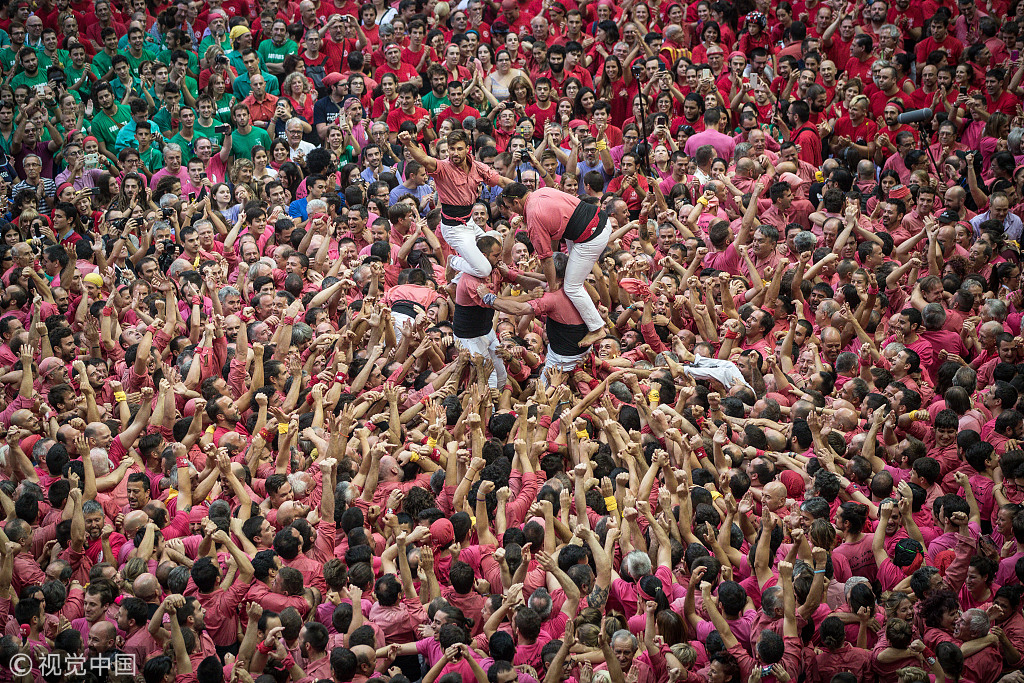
(275, 54)
(152, 158)
(135, 62)
(241, 145)
(208, 132)
(434, 104)
(31, 81)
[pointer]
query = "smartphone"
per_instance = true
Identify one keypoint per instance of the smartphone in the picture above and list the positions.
(963, 90)
(191, 196)
(706, 73)
(753, 81)
(95, 191)
(1014, 54)
(92, 161)
(222, 130)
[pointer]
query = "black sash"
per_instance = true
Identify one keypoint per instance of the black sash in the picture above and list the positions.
(407, 307)
(472, 321)
(455, 213)
(565, 339)
(581, 219)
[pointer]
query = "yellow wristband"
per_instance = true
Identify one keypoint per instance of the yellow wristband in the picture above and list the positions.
(431, 443)
(282, 428)
(611, 504)
(120, 396)
(703, 201)
(582, 434)
(211, 429)
(415, 457)
(653, 396)
(601, 145)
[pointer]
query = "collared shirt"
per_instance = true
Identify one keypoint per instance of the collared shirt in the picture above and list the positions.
(1012, 225)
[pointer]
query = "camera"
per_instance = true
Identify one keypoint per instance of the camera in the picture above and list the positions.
(166, 212)
(637, 70)
(221, 60)
(170, 247)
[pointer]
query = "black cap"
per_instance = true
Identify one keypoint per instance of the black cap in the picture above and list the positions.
(948, 217)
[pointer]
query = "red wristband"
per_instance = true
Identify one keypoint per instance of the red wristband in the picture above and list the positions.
(107, 311)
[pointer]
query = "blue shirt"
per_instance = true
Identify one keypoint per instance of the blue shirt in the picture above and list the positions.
(419, 193)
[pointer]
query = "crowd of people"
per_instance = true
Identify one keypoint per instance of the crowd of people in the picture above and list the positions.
(511, 341)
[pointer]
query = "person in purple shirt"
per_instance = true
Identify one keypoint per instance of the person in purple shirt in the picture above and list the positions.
(715, 122)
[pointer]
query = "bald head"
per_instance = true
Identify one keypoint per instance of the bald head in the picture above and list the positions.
(364, 655)
(845, 419)
(133, 521)
(146, 587)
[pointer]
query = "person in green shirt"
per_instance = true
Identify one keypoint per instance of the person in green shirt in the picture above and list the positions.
(436, 101)
(242, 85)
(167, 116)
(79, 74)
(103, 61)
(30, 75)
(178, 74)
(178, 40)
(149, 153)
(206, 124)
(6, 126)
(124, 84)
(273, 50)
(245, 136)
(9, 54)
(185, 138)
(136, 52)
(110, 118)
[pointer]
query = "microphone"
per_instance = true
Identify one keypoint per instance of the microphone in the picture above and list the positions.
(915, 116)
(469, 123)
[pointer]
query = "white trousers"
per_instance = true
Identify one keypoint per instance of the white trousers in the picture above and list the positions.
(462, 238)
(487, 345)
(559, 362)
(582, 257)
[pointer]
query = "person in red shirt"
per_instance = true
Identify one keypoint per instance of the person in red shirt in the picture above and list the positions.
(408, 111)
(940, 39)
(393, 64)
(543, 109)
(458, 110)
(855, 130)
(859, 64)
(996, 98)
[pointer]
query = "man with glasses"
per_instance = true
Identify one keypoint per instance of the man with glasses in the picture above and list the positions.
(589, 148)
(76, 173)
(27, 141)
(42, 187)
